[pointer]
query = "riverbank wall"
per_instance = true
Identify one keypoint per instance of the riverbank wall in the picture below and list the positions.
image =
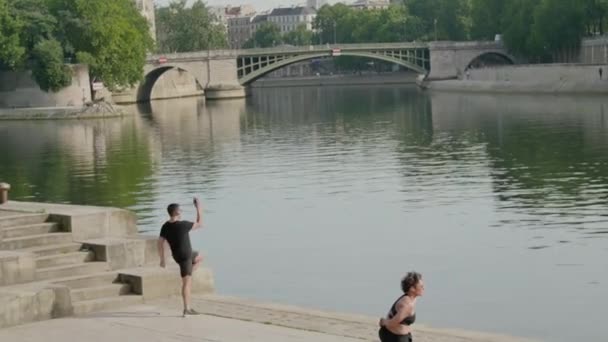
(540, 78)
(19, 90)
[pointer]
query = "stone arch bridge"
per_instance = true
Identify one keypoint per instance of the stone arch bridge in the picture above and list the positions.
(224, 73)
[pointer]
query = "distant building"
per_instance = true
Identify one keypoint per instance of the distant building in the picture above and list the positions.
(316, 4)
(147, 9)
(224, 13)
(257, 21)
(289, 18)
(370, 4)
(240, 30)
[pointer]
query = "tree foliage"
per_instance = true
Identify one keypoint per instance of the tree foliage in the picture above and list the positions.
(486, 18)
(11, 50)
(442, 19)
(267, 35)
(550, 36)
(299, 37)
(111, 36)
(48, 66)
(183, 29)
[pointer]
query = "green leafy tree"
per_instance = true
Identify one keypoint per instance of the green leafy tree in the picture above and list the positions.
(183, 29)
(453, 20)
(38, 23)
(299, 37)
(550, 36)
(486, 18)
(11, 51)
(442, 19)
(48, 67)
(334, 23)
(426, 11)
(517, 26)
(111, 36)
(596, 12)
(267, 35)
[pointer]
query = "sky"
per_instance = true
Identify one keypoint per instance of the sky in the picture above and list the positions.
(259, 5)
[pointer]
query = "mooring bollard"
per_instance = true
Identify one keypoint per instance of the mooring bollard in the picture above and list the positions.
(4, 188)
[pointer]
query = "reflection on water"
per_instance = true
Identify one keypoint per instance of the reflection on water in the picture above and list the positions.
(325, 196)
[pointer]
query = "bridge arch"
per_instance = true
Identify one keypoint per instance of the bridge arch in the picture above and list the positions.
(144, 90)
(490, 58)
(250, 77)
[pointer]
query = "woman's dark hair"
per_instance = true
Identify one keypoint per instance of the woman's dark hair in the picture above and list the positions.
(410, 280)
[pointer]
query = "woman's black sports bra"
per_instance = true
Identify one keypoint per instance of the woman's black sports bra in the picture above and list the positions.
(409, 320)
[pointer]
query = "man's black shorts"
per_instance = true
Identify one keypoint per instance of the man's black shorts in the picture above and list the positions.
(185, 266)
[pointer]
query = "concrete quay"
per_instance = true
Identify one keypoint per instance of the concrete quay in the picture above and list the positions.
(88, 267)
(224, 319)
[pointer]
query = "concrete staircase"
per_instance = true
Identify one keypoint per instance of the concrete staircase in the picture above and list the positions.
(60, 260)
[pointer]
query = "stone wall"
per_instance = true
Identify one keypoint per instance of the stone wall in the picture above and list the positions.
(540, 73)
(539, 78)
(19, 90)
(594, 51)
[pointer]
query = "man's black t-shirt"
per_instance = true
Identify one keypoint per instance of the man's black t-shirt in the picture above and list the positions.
(177, 235)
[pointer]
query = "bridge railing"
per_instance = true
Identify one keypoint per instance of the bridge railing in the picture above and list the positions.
(330, 47)
(197, 55)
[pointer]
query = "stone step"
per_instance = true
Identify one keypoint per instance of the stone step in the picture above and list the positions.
(30, 229)
(87, 306)
(109, 290)
(64, 259)
(22, 220)
(36, 240)
(41, 251)
(63, 271)
(90, 280)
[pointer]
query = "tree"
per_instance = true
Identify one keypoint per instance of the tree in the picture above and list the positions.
(442, 19)
(453, 19)
(550, 36)
(332, 23)
(48, 68)
(426, 11)
(183, 29)
(517, 26)
(267, 35)
(298, 37)
(486, 18)
(595, 12)
(38, 23)
(11, 51)
(111, 36)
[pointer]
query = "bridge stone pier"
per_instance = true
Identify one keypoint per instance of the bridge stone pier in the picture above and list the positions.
(214, 72)
(451, 59)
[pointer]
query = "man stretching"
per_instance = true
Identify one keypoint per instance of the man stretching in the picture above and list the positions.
(176, 233)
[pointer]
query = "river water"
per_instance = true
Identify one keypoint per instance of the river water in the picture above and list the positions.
(325, 197)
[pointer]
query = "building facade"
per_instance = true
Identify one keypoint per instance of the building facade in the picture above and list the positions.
(147, 9)
(316, 4)
(370, 4)
(289, 18)
(224, 13)
(240, 30)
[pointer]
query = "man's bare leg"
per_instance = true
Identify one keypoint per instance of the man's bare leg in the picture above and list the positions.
(186, 287)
